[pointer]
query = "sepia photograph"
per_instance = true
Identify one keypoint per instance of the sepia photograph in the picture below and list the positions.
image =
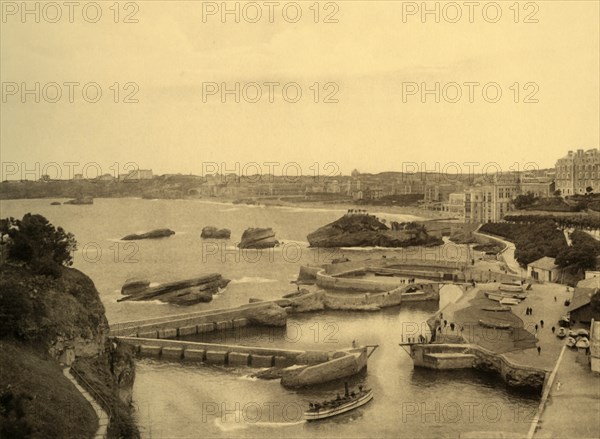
(309, 219)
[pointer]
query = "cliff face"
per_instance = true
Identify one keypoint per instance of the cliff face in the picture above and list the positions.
(63, 320)
(362, 230)
(64, 316)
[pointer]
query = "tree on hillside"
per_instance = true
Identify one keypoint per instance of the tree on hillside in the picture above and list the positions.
(36, 242)
(579, 257)
(589, 190)
(595, 301)
(524, 201)
(557, 193)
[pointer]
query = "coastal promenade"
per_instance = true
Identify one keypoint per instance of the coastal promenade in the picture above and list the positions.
(540, 298)
(573, 402)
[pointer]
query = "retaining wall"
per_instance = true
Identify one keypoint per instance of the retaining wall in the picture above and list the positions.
(515, 375)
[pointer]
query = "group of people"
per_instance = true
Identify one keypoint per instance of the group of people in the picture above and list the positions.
(353, 211)
(316, 406)
(529, 311)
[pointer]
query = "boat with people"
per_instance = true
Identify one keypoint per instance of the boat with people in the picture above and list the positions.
(338, 405)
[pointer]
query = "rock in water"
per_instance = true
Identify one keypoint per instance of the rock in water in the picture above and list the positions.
(213, 232)
(183, 292)
(82, 200)
(271, 316)
(132, 286)
(153, 234)
(364, 230)
(258, 238)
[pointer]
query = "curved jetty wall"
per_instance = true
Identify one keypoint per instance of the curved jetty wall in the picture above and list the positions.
(338, 275)
(461, 356)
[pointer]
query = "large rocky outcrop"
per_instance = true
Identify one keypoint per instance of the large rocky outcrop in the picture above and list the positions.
(363, 230)
(258, 238)
(182, 292)
(210, 232)
(153, 234)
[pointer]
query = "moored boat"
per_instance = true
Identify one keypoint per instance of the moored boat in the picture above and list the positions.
(510, 287)
(496, 325)
(571, 342)
(339, 405)
(561, 333)
(498, 295)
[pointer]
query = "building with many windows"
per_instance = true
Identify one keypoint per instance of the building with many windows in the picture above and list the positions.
(484, 203)
(577, 171)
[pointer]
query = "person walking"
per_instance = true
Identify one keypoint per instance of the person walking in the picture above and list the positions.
(536, 328)
(539, 349)
(541, 323)
(553, 329)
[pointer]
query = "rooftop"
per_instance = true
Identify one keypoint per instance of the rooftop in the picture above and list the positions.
(545, 263)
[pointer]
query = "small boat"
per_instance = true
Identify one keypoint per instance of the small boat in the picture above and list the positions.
(496, 308)
(497, 325)
(494, 297)
(584, 343)
(583, 332)
(565, 321)
(561, 333)
(339, 405)
(500, 294)
(512, 287)
(383, 273)
(572, 333)
(571, 342)
(509, 301)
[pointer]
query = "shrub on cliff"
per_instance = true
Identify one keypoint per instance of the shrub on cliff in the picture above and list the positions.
(36, 242)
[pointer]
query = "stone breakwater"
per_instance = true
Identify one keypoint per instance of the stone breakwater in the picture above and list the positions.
(154, 337)
(295, 368)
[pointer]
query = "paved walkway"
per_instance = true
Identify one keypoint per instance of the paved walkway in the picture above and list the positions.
(573, 401)
(508, 254)
(102, 416)
(541, 299)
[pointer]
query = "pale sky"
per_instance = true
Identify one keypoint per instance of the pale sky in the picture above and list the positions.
(370, 55)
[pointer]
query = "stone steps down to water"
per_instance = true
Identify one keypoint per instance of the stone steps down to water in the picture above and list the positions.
(183, 292)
